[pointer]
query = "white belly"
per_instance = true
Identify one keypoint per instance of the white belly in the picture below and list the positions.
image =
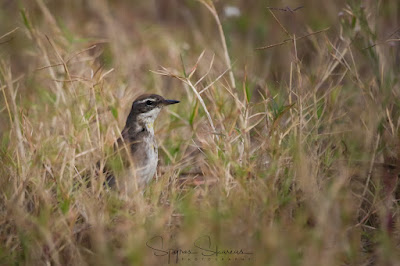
(147, 171)
(145, 162)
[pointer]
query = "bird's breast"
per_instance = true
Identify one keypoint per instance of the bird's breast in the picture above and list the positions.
(145, 158)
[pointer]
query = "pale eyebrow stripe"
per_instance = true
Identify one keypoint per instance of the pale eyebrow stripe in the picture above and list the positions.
(145, 100)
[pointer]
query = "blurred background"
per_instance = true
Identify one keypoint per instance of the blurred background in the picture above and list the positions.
(142, 35)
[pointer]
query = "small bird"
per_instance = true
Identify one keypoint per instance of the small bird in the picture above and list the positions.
(138, 143)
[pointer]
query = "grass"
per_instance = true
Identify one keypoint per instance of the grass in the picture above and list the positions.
(288, 153)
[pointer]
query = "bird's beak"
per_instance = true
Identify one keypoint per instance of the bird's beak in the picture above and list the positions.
(168, 102)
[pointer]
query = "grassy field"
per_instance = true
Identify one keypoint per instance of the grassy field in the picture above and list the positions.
(284, 150)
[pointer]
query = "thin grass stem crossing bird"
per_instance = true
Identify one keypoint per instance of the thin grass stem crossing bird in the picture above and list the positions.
(137, 143)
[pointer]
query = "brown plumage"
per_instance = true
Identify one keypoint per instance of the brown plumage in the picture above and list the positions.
(138, 145)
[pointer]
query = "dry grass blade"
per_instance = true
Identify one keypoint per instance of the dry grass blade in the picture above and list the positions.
(210, 6)
(193, 70)
(105, 74)
(198, 96)
(187, 81)
(291, 40)
(69, 59)
(213, 82)
(366, 186)
(208, 71)
(9, 33)
(280, 24)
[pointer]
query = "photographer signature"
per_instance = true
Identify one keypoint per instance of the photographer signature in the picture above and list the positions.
(203, 247)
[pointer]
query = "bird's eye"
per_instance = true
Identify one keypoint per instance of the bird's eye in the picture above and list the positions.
(149, 102)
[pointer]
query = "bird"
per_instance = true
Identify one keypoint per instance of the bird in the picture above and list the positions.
(137, 144)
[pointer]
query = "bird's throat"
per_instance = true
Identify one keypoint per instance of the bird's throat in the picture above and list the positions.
(149, 127)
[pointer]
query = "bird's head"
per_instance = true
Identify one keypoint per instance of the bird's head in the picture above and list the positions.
(146, 108)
